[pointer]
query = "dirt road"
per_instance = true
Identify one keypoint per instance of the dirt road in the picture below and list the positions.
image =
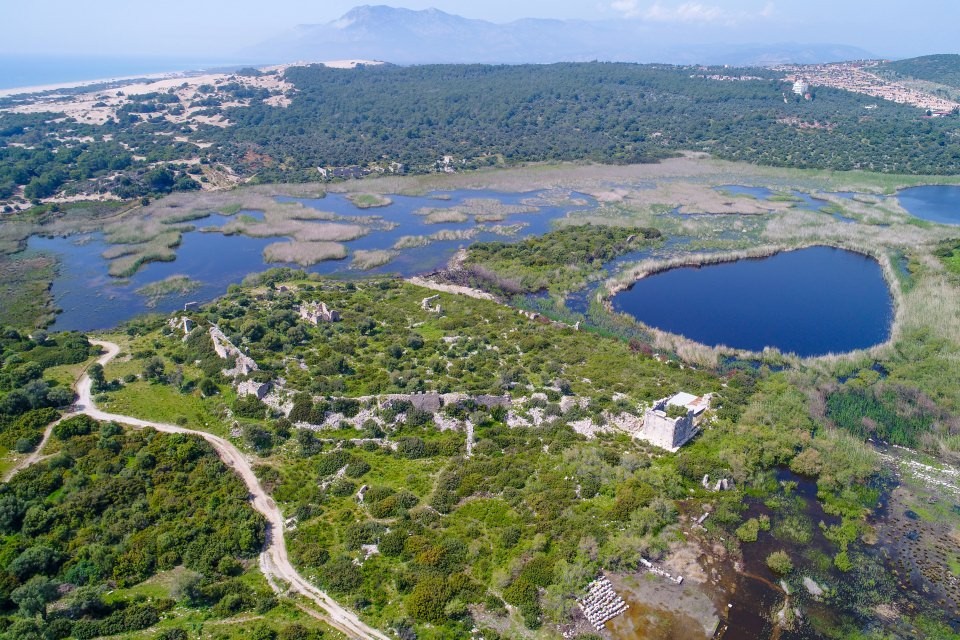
(274, 561)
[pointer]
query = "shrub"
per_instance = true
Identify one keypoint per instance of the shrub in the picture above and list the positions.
(76, 426)
(332, 462)
(357, 468)
(780, 563)
(411, 448)
(748, 531)
(340, 575)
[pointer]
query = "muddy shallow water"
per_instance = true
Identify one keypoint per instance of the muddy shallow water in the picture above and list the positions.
(904, 571)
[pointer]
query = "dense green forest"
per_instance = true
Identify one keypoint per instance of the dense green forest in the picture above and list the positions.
(28, 400)
(559, 260)
(602, 112)
(941, 69)
(111, 509)
(373, 117)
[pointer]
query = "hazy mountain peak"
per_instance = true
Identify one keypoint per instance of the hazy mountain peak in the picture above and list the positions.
(409, 36)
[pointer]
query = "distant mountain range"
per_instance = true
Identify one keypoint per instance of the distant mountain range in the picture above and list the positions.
(404, 36)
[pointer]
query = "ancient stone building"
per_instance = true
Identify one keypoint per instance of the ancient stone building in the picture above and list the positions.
(671, 433)
(317, 312)
(253, 388)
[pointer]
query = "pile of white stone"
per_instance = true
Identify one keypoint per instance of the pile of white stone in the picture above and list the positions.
(654, 569)
(601, 603)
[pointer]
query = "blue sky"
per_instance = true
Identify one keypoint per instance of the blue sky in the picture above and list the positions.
(217, 28)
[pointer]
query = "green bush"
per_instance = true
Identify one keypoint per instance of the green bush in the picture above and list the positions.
(780, 563)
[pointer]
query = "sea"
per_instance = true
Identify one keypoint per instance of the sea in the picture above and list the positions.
(30, 71)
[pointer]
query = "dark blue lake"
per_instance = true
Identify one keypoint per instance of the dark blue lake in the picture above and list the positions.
(90, 299)
(934, 203)
(809, 302)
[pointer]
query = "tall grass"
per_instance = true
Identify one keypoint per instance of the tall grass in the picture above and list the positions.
(370, 259)
(304, 253)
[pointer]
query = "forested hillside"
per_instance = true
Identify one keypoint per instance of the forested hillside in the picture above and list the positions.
(613, 113)
(110, 510)
(426, 118)
(942, 69)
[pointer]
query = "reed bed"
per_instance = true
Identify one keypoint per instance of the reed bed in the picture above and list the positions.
(126, 260)
(175, 285)
(411, 242)
(365, 259)
(369, 200)
(441, 216)
(297, 229)
(447, 235)
(304, 253)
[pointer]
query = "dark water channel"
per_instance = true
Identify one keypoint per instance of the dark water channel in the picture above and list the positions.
(810, 302)
(757, 592)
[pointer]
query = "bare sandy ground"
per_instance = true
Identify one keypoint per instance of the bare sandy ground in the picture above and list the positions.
(98, 106)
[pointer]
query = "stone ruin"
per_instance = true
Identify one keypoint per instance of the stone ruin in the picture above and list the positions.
(226, 349)
(723, 484)
(253, 388)
(317, 312)
(425, 304)
(668, 433)
(433, 402)
(183, 323)
(601, 603)
(654, 569)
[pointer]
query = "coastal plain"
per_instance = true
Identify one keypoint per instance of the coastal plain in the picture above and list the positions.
(441, 416)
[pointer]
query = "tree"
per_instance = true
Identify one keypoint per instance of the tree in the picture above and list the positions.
(34, 560)
(96, 376)
(209, 388)
(427, 600)
(34, 596)
(154, 369)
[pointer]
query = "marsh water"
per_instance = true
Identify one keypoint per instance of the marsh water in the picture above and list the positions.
(91, 299)
(934, 203)
(809, 302)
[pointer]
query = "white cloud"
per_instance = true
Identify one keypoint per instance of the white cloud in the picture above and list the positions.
(627, 7)
(687, 12)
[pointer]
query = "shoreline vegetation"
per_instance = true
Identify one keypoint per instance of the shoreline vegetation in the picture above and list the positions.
(687, 180)
(175, 285)
(709, 355)
(304, 253)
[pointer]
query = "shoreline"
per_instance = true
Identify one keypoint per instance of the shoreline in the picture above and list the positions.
(219, 69)
(672, 341)
(80, 84)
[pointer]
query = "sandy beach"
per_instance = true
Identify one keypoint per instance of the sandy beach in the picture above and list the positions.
(153, 78)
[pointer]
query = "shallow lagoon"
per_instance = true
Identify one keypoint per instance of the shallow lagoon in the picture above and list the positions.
(91, 299)
(934, 203)
(810, 302)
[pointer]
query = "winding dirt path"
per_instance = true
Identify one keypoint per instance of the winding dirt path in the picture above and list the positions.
(274, 561)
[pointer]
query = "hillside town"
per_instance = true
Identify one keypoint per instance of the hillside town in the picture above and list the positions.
(857, 76)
